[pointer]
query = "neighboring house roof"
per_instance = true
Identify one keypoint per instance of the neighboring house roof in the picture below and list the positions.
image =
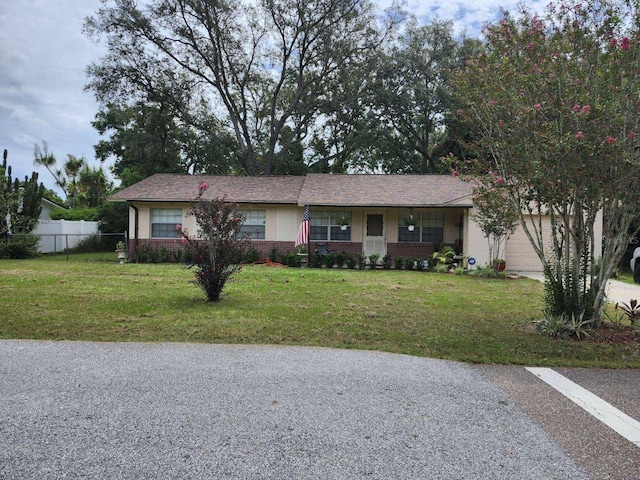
(313, 189)
(47, 208)
(51, 203)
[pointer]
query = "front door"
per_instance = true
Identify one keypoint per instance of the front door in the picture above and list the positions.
(374, 235)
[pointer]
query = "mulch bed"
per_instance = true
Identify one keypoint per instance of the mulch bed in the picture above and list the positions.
(268, 263)
(608, 333)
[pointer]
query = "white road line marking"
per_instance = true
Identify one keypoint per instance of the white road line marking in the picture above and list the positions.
(622, 423)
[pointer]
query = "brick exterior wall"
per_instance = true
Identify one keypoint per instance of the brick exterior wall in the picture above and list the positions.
(171, 245)
(410, 249)
(264, 247)
(341, 247)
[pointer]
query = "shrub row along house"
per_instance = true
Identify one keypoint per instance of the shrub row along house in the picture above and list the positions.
(399, 215)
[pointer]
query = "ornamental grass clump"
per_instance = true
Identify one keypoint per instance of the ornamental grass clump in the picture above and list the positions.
(631, 310)
(218, 249)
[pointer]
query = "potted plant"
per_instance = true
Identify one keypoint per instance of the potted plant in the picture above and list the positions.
(121, 251)
(344, 221)
(409, 263)
(499, 265)
(410, 222)
(329, 260)
(444, 255)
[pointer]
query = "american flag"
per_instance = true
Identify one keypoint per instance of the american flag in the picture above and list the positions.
(303, 231)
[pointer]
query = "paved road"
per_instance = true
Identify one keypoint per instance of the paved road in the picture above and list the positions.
(113, 410)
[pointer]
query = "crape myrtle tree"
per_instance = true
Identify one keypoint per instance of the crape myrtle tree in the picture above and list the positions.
(555, 99)
(495, 213)
(262, 68)
(218, 248)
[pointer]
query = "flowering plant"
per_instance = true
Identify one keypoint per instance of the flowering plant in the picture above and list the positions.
(555, 99)
(219, 248)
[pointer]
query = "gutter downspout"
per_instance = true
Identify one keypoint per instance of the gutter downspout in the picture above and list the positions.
(135, 230)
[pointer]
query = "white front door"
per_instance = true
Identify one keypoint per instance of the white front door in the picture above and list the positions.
(374, 240)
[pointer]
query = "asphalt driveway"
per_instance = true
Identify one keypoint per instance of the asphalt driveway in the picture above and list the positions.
(136, 411)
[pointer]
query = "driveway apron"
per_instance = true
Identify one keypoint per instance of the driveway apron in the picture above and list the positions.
(598, 449)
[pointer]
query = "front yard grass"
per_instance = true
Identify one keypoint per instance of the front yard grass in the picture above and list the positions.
(424, 314)
(626, 277)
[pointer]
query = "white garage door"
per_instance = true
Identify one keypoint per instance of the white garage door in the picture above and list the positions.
(519, 254)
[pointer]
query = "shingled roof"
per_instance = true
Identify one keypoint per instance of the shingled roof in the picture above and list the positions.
(385, 190)
(314, 189)
(181, 188)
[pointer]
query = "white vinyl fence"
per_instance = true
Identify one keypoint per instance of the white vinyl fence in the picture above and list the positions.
(59, 235)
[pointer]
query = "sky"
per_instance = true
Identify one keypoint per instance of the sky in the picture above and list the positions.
(44, 55)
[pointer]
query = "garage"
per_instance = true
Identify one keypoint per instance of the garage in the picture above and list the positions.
(520, 255)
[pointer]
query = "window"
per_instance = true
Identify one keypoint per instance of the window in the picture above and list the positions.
(254, 224)
(328, 226)
(164, 221)
(432, 227)
(374, 225)
(429, 228)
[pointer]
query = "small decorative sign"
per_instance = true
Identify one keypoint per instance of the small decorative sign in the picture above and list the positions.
(472, 261)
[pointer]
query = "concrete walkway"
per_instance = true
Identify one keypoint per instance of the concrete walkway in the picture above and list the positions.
(617, 291)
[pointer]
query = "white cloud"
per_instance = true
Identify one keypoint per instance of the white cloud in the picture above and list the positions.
(44, 54)
(468, 17)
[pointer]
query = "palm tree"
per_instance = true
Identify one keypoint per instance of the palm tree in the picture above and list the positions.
(72, 168)
(43, 157)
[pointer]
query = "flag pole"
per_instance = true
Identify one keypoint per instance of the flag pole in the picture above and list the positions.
(303, 237)
(309, 241)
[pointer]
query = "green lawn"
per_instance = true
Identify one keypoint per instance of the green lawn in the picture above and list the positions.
(626, 277)
(425, 314)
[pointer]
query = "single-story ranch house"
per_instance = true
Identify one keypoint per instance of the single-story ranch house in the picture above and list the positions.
(376, 207)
